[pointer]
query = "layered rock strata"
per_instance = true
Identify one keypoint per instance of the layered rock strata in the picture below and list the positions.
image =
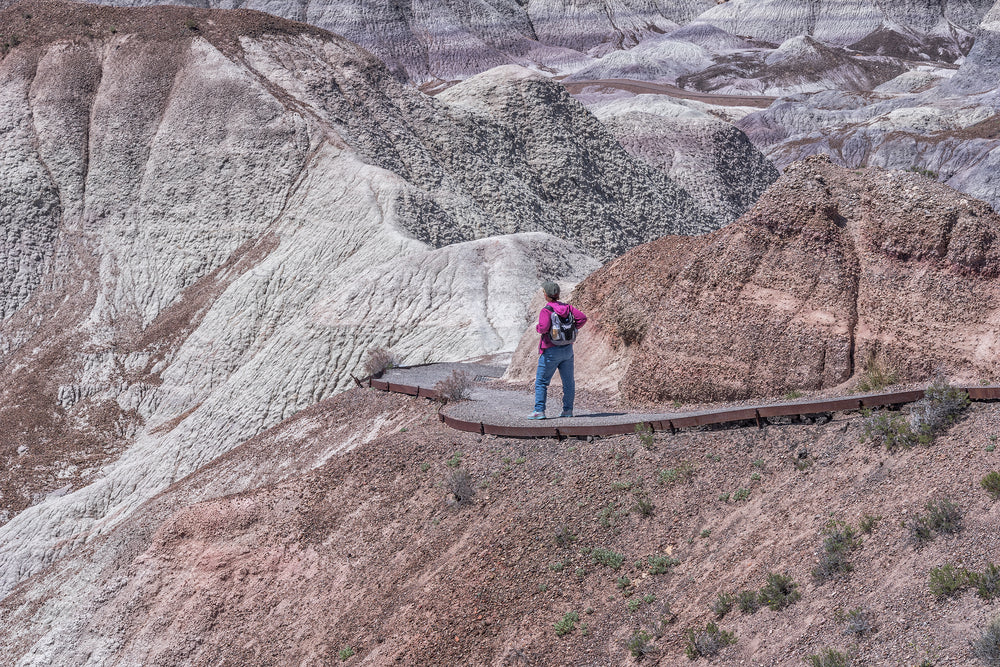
(830, 270)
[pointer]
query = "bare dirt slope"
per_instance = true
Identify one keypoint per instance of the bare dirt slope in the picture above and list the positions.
(829, 269)
(286, 552)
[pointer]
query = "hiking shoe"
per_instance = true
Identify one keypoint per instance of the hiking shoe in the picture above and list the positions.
(566, 413)
(536, 415)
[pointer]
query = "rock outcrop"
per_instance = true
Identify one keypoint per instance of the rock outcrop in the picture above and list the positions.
(830, 269)
(208, 217)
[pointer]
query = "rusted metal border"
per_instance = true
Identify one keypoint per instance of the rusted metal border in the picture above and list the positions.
(756, 414)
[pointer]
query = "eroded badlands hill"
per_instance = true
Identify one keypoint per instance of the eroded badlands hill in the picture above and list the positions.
(829, 269)
(290, 549)
(207, 217)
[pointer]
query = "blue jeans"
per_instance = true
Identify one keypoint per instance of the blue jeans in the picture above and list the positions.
(548, 361)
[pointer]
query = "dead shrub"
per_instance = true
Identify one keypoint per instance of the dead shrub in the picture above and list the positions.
(987, 647)
(455, 387)
(877, 374)
(378, 360)
(459, 485)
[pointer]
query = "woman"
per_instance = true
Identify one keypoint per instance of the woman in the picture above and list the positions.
(556, 353)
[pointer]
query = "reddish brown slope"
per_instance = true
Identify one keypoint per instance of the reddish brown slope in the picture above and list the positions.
(829, 268)
(283, 563)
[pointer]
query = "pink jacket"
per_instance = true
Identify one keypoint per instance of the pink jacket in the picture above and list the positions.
(545, 321)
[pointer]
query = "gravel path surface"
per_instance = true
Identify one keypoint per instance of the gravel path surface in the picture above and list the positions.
(501, 407)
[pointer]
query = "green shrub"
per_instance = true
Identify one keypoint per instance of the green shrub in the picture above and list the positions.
(987, 583)
(840, 540)
(608, 558)
(564, 536)
(891, 430)
(723, 604)
(947, 580)
(748, 601)
(639, 645)
(867, 523)
(779, 592)
(345, 652)
(942, 517)
(567, 623)
(644, 506)
(682, 473)
(623, 582)
(662, 564)
(987, 646)
(941, 405)
(741, 494)
(707, 642)
(991, 483)
(828, 658)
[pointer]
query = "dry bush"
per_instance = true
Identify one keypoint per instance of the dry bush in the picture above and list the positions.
(987, 647)
(379, 359)
(455, 387)
(877, 374)
(707, 642)
(459, 485)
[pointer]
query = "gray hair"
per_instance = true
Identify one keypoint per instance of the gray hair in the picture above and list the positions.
(551, 289)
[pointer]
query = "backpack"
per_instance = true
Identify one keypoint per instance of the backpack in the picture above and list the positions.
(562, 331)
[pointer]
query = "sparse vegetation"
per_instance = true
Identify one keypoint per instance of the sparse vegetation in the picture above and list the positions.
(682, 473)
(748, 602)
(942, 517)
(741, 494)
(867, 523)
(877, 374)
(623, 583)
(927, 173)
(793, 394)
(779, 592)
(662, 564)
(564, 536)
(940, 407)
(633, 605)
(840, 539)
(987, 646)
(378, 360)
(643, 505)
(455, 387)
(191, 24)
(644, 432)
(987, 583)
(888, 429)
(345, 652)
(828, 657)
(639, 645)
(707, 642)
(991, 484)
(856, 622)
(608, 558)
(609, 516)
(947, 580)
(455, 460)
(722, 605)
(567, 623)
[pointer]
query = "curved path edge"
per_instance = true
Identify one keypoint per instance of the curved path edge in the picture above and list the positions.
(673, 422)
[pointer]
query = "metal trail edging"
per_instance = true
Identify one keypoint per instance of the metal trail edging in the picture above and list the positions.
(756, 413)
